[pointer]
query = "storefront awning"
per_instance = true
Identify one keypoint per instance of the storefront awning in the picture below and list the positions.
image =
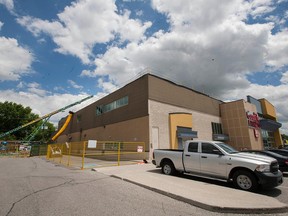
(220, 137)
(269, 125)
(191, 135)
(186, 133)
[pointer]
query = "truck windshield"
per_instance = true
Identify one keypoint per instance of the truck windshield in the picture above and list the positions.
(227, 148)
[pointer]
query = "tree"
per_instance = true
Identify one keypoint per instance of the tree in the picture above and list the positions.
(45, 132)
(284, 137)
(13, 115)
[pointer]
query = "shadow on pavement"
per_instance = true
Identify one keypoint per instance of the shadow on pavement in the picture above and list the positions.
(272, 192)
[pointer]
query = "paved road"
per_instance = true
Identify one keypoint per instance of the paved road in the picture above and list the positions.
(33, 186)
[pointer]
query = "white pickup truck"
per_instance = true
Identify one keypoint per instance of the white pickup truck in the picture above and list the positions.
(220, 161)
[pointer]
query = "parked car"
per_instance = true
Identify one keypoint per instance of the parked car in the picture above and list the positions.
(220, 161)
(283, 152)
(282, 160)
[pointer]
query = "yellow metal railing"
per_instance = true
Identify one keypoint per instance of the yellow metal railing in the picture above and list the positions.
(91, 154)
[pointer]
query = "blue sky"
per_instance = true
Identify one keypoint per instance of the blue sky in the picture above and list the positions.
(53, 53)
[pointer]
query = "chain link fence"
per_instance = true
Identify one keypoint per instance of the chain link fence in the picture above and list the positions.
(92, 154)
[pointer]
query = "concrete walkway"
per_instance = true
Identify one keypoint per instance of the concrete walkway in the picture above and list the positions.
(205, 195)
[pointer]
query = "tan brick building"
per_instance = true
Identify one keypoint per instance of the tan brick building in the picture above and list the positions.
(163, 114)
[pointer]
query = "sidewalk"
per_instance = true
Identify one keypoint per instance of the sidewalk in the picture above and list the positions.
(208, 196)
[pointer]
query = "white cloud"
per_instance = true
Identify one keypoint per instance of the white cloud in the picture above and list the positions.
(86, 73)
(260, 7)
(212, 53)
(277, 48)
(278, 20)
(107, 87)
(284, 78)
(47, 103)
(1, 24)
(8, 3)
(15, 60)
(226, 54)
(209, 46)
(32, 88)
(84, 24)
(190, 14)
(131, 30)
(139, 13)
(74, 84)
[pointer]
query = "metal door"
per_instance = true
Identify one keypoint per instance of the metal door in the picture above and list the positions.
(155, 140)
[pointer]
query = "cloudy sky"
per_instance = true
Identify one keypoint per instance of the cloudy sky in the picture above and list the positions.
(53, 53)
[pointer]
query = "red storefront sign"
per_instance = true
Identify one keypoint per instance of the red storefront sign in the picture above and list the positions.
(256, 133)
(253, 119)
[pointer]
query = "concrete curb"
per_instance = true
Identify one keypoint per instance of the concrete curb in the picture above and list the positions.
(210, 197)
(210, 207)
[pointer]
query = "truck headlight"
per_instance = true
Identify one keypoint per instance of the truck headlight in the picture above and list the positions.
(263, 168)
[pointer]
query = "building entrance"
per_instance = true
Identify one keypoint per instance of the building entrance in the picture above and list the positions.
(268, 139)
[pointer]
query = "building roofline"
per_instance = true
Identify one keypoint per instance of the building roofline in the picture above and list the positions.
(174, 83)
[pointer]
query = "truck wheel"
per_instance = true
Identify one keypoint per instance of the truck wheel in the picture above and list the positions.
(168, 168)
(245, 180)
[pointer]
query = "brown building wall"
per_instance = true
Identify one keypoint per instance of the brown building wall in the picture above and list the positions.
(234, 122)
(134, 130)
(137, 107)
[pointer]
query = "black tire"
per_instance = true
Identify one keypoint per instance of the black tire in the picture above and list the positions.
(168, 168)
(245, 180)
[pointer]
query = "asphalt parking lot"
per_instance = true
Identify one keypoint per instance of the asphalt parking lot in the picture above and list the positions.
(35, 181)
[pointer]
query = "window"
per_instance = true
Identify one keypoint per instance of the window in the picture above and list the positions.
(216, 128)
(111, 106)
(268, 139)
(208, 148)
(193, 147)
(78, 118)
(99, 110)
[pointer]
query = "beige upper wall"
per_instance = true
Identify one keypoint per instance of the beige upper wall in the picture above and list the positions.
(159, 117)
(170, 93)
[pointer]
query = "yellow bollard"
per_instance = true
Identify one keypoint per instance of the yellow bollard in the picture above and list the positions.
(83, 155)
(119, 154)
(69, 154)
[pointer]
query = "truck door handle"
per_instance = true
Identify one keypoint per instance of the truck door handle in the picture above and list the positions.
(187, 155)
(203, 157)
